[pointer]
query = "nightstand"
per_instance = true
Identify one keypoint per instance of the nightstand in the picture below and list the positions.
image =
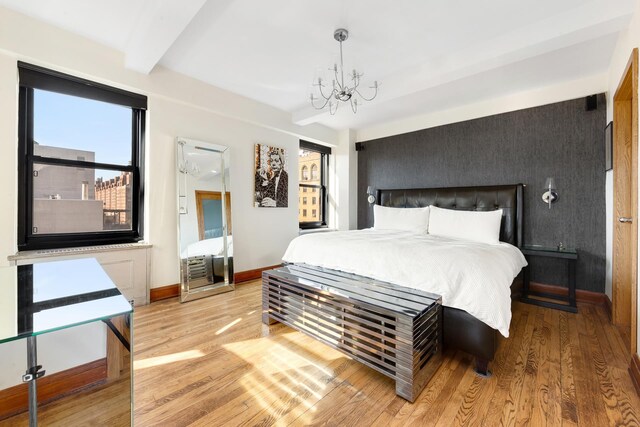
(560, 302)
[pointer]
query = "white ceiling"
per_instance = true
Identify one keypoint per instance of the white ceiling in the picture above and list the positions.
(427, 54)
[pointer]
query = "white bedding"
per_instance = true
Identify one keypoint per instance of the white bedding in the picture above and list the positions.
(471, 276)
(213, 246)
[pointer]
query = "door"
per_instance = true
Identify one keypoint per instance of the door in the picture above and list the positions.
(625, 203)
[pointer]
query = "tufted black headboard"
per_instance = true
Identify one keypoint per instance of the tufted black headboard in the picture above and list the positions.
(506, 197)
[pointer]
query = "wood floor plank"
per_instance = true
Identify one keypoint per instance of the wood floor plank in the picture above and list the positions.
(503, 404)
(567, 384)
(591, 409)
(211, 362)
(408, 413)
(476, 402)
(527, 400)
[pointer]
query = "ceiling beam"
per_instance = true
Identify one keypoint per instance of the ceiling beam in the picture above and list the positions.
(159, 25)
(590, 21)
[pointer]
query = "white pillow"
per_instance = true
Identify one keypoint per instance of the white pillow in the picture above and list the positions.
(478, 226)
(409, 219)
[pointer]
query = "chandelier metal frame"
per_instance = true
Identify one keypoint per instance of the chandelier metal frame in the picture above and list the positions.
(339, 90)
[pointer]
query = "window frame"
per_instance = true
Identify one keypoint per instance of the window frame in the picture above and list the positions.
(323, 196)
(33, 77)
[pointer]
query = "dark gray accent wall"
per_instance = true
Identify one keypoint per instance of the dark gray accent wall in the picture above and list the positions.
(560, 140)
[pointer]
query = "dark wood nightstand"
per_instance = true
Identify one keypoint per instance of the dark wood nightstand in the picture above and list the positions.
(567, 303)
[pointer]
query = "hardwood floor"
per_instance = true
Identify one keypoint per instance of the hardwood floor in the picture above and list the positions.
(224, 367)
(211, 362)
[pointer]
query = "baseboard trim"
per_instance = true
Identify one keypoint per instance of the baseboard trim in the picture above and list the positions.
(588, 297)
(164, 292)
(246, 276)
(52, 387)
(634, 370)
(172, 291)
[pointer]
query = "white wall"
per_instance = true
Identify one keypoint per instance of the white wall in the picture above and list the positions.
(178, 106)
(343, 180)
(627, 41)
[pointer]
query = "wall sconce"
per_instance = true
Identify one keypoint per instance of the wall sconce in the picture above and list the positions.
(370, 197)
(550, 194)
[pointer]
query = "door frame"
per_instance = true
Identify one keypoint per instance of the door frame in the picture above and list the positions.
(625, 203)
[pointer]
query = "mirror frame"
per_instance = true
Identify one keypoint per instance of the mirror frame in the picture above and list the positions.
(186, 293)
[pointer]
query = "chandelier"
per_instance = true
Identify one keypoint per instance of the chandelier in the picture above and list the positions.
(184, 165)
(341, 91)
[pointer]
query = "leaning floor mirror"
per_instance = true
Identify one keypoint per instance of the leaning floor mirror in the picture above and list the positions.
(205, 242)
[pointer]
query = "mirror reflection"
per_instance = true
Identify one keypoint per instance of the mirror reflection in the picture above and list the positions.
(204, 219)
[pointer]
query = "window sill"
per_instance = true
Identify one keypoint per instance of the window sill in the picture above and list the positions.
(52, 253)
(314, 230)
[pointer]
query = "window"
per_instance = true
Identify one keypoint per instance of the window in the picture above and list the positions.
(80, 161)
(313, 158)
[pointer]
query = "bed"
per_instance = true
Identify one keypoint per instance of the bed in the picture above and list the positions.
(472, 328)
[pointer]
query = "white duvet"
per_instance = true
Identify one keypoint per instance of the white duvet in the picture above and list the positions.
(474, 277)
(213, 246)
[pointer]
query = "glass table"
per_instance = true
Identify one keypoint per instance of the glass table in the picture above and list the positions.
(50, 298)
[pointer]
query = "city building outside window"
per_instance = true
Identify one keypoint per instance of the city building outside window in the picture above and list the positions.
(313, 158)
(80, 161)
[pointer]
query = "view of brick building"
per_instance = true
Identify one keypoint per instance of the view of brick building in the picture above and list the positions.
(309, 198)
(115, 194)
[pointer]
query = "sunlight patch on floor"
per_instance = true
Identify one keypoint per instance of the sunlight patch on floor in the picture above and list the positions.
(247, 350)
(168, 358)
(284, 375)
(225, 328)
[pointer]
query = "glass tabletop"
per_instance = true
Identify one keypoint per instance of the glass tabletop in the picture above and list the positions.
(557, 249)
(48, 296)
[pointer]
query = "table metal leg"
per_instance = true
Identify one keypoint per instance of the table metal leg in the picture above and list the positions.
(32, 367)
(572, 282)
(525, 280)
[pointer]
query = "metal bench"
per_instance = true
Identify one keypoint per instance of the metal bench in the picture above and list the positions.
(395, 330)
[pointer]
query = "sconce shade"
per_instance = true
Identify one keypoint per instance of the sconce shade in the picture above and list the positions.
(551, 183)
(550, 194)
(370, 197)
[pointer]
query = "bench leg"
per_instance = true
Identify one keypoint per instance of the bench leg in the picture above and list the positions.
(266, 319)
(418, 359)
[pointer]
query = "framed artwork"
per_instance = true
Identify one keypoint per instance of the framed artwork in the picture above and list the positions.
(271, 177)
(608, 147)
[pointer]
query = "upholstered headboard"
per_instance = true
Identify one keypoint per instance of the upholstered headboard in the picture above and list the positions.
(509, 198)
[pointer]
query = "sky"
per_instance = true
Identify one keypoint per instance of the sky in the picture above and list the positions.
(84, 124)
